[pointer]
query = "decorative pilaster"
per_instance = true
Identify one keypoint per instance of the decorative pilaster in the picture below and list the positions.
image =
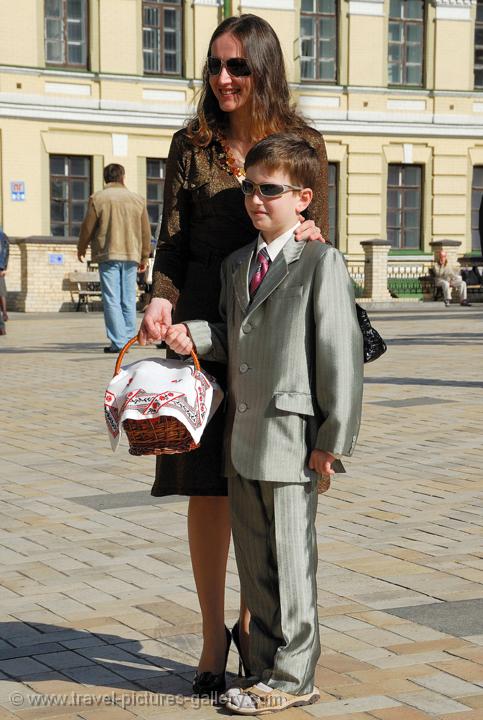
(375, 270)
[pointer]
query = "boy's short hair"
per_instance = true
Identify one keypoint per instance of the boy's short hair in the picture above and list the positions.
(290, 153)
(114, 173)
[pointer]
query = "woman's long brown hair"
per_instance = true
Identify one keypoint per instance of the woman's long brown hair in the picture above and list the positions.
(271, 109)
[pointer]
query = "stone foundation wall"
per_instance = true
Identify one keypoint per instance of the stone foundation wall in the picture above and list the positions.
(38, 270)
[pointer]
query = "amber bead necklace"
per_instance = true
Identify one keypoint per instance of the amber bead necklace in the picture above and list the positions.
(229, 159)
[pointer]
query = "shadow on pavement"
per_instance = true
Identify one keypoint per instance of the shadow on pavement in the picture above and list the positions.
(55, 347)
(437, 382)
(439, 339)
(394, 316)
(34, 652)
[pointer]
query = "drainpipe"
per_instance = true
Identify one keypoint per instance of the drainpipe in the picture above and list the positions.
(226, 8)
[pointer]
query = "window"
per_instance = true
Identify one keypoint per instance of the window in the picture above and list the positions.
(318, 40)
(478, 69)
(162, 37)
(406, 42)
(404, 206)
(66, 33)
(70, 187)
(154, 191)
(476, 198)
(333, 203)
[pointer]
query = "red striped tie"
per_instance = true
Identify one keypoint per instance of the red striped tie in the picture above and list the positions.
(263, 263)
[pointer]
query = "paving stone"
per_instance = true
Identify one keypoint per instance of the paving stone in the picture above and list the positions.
(62, 660)
(464, 669)
(21, 667)
(339, 707)
(431, 702)
(448, 685)
(400, 713)
(459, 618)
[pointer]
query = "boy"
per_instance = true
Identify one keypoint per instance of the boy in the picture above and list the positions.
(294, 351)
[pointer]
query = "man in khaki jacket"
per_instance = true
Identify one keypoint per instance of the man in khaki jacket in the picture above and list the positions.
(117, 227)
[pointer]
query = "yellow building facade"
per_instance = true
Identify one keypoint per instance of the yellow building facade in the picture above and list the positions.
(393, 86)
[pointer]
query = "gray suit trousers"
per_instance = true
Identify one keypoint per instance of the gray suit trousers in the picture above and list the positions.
(276, 552)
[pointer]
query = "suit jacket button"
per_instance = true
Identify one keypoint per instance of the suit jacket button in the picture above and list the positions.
(243, 368)
(242, 407)
(246, 327)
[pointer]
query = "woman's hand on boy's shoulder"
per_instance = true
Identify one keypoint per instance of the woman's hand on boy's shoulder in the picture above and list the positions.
(177, 338)
(308, 231)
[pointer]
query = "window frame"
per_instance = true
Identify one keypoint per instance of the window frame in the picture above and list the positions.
(404, 45)
(178, 6)
(475, 234)
(478, 26)
(64, 20)
(69, 201)
(404, 188)
(317, 16)
(155, 181)
(334, 206)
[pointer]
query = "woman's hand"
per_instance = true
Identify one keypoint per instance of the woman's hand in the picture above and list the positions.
(308, 231)
(156, 321)
(178, 339)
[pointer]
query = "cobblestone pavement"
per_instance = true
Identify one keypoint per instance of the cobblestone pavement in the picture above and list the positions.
(100, 619)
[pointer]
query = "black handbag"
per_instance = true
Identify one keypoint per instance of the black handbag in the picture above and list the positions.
(374, 345)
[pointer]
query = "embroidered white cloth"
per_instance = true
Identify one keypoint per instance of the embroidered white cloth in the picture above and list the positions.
(154, 387)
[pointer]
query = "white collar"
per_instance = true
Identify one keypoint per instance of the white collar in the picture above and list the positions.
(276, 245)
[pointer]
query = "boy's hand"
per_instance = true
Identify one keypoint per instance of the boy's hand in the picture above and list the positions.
(178, 339)
(321, 462)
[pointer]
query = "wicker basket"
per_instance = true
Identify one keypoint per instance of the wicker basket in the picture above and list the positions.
(156, 436)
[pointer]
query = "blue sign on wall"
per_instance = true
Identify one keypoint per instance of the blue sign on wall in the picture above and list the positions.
(17, 190)
(55, 259)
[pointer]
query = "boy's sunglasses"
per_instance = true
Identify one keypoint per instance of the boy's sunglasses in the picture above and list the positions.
(268, 190)
(238, 67)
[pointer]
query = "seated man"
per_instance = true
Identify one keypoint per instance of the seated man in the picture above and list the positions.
(447, 277)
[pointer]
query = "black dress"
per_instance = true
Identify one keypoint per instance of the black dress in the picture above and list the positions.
(204, 220)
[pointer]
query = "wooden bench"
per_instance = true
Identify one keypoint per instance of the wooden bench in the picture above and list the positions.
(84, 287)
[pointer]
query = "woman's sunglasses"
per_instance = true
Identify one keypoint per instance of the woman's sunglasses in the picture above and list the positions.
(267, 190)
(238, 67)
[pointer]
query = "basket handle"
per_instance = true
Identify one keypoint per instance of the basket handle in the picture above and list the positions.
(135, 339)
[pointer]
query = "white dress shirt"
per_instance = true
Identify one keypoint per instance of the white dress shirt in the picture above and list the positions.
(273, 248)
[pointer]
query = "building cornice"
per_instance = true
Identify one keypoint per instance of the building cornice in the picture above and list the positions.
(374, 8)
(95, 77)
(266, 5)
(453, 3)
(98, 113)
(453, 9)
(328, 120)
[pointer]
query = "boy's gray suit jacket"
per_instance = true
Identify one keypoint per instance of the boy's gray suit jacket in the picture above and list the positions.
(295, 361)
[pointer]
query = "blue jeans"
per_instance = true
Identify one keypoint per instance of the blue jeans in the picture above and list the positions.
(118, 287)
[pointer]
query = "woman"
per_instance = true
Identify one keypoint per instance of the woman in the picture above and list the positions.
(245, 97)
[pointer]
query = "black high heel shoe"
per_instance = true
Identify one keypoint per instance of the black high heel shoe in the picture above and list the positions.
(243, 669)
(207, 683)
